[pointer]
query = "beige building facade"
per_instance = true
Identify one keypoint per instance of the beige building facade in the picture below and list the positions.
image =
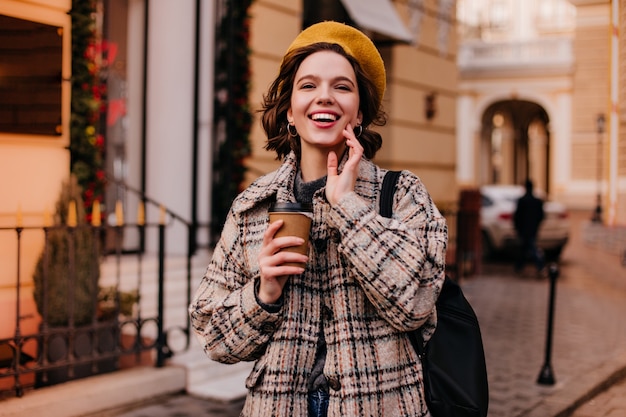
(32, 166)
(538, 98)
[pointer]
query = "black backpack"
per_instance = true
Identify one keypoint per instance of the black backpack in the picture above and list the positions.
(455, 373)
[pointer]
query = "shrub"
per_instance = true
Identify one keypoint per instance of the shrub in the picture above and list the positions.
(69, 265)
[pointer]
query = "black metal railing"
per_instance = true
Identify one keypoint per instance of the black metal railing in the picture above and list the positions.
(126, 325)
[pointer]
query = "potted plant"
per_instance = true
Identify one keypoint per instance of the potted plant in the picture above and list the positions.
(112, 302)
(66, 295)
(55, 270)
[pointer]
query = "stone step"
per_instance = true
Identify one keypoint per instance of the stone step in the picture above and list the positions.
(226, 388)
(116, 391)
(130, 267)
(212, 380)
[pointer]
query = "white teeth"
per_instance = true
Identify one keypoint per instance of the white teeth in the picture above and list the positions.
(324, 117)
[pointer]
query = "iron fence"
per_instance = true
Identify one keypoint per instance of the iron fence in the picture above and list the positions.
(126, 324)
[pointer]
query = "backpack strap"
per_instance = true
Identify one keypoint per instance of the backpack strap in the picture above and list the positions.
(386, 193)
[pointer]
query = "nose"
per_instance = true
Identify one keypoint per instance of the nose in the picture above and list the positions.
(325, 95)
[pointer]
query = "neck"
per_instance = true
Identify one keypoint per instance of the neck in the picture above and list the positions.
(314, 161)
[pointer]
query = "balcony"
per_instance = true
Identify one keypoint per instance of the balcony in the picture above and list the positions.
(546, 56)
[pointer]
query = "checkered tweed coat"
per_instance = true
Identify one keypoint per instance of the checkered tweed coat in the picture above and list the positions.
(369, 280)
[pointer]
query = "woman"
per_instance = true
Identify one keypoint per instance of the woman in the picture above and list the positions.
(328, 339)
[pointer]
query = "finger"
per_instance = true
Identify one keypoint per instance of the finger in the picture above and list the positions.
(276, 266)
(271, 230)
(287, 242)
(281, 268)
(354, 156)
(355, 153)
(354, 146)
(348, 133)
(286, 265)
(332, 164)
(286, 270)
(280, 259)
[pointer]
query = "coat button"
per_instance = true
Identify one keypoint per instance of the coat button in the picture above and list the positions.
(320, 245)
(334, 236)
(334, 384)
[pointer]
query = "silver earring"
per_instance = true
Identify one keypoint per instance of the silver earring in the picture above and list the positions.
(293, 133)
(360, 128)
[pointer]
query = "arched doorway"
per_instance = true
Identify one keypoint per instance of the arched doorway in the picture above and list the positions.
(515, 144)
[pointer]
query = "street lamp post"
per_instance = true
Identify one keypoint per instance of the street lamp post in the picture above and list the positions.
(597, 213)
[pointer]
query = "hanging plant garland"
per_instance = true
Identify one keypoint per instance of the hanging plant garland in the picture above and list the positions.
(232, 112)
(88, 95)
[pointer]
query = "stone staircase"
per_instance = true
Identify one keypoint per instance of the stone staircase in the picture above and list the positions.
(205, 378)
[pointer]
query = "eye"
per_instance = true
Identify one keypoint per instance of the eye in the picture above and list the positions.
(307, 86)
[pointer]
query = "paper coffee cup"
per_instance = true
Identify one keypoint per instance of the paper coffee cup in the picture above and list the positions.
(297, 222)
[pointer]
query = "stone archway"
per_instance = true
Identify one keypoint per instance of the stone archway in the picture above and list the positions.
(515, 144)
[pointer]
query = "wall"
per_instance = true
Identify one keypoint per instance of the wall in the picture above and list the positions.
(32, 168)
(621, 195)
(590, 98)
(273, 26)
(591, 153)
(424, 146)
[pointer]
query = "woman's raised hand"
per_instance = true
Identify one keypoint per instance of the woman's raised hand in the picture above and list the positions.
(338, 185)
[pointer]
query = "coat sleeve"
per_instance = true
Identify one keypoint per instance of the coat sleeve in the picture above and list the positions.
(225, 315)
(399, 262)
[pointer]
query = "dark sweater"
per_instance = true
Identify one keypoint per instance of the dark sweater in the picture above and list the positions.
(304, 194)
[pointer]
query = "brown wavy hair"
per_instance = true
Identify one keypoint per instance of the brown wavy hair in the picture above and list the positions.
(277, 100)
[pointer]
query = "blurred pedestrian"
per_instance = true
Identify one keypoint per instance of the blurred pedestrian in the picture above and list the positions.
(329, 338)
(527, 219)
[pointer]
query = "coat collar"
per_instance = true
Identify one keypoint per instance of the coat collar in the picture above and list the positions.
(278, 185)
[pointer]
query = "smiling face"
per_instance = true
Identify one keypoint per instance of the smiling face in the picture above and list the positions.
(325, 98)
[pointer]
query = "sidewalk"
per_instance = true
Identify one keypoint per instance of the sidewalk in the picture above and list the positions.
(588, 348)
(589, 333)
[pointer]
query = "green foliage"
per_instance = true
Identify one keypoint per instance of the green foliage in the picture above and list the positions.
(88, 98)
(111, 302)
(232, 111)
(68, 265)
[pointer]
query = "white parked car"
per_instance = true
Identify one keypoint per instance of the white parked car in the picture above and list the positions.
(496, 221)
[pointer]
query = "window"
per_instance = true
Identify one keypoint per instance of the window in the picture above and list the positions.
(30, 77)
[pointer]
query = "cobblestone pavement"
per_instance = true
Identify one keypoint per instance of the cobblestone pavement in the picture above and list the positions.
(610, 403)
(588, 331)
(588, 336)
(607, 247)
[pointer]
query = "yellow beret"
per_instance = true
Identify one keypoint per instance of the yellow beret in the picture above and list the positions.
(354, 42)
